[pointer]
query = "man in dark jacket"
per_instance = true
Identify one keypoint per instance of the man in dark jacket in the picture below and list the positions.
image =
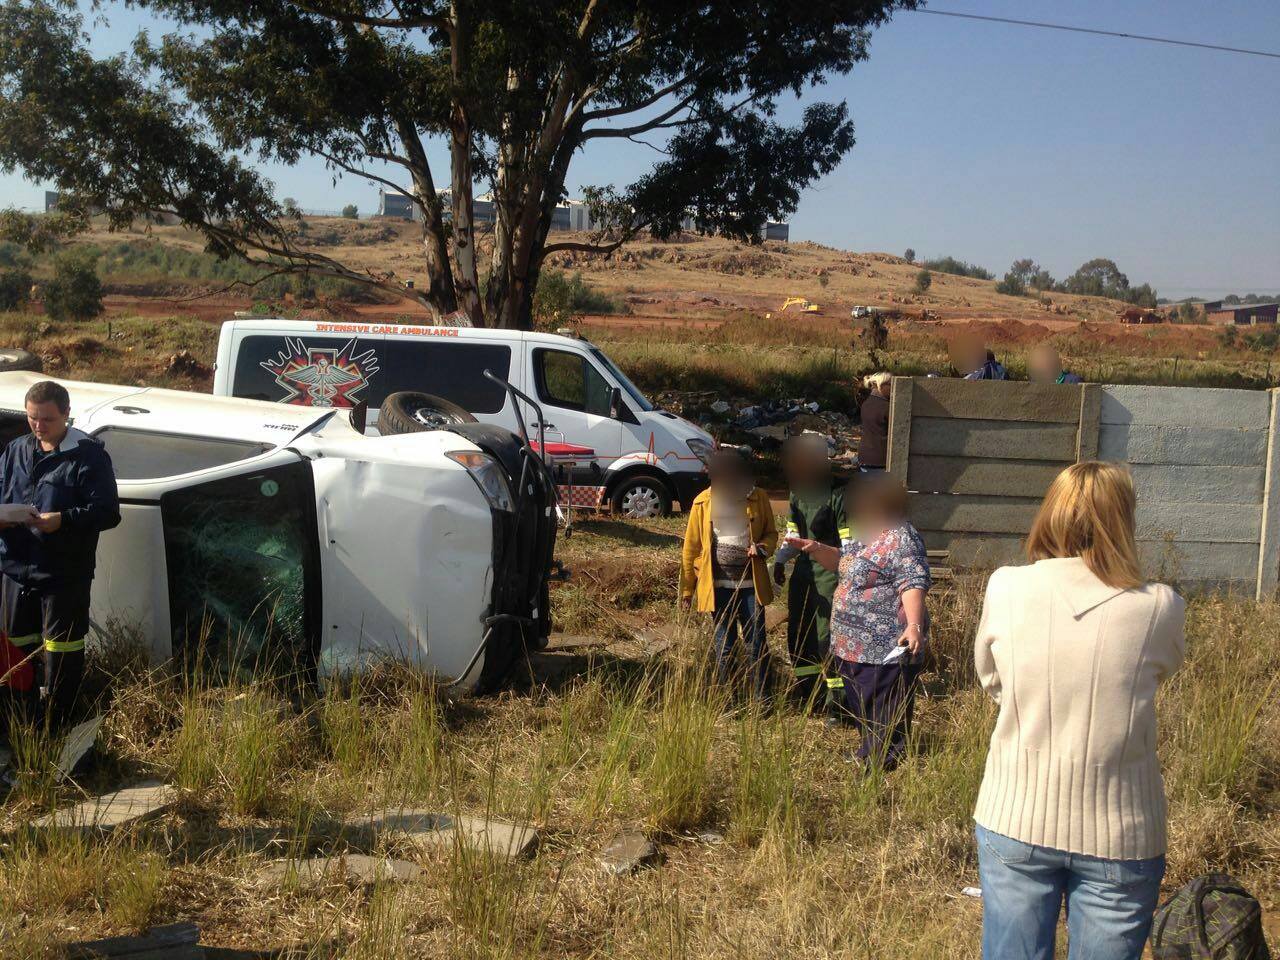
(816, 513)
(66, 477)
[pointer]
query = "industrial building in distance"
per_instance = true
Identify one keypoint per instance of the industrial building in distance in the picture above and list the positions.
(1240, 314)
(571, 215)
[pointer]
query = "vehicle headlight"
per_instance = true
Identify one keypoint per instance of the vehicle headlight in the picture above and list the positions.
(700, 448)
(488, 475)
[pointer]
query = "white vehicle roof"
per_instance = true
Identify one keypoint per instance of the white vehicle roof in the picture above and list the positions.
(95, 405)
(281, 325)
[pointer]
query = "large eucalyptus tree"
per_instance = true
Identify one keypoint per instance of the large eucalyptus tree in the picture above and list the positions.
(514, 88)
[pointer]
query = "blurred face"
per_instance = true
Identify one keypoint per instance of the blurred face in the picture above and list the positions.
(1045, 366)
(967, 355)
(869, 511)
(728, 473)
(806, 464)
(47, 422)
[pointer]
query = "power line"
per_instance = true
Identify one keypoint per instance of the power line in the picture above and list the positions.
(1100, 33)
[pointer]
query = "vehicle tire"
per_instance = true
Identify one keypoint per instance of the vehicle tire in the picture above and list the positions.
(641, 496)
(411, 412)
(14, 358)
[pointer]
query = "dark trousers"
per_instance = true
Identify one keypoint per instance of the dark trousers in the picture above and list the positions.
(56, 618)
(880, 698)
(808, 635)
(739, 618)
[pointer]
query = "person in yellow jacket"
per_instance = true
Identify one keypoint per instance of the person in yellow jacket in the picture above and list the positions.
(724, 569)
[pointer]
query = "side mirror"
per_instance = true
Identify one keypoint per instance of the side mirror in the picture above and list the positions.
(359, 414)
(615, 403)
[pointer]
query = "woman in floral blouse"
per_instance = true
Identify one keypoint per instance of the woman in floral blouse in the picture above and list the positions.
(879, 624)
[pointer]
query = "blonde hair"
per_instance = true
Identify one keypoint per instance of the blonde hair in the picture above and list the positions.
(876, 381)
(1088, 513)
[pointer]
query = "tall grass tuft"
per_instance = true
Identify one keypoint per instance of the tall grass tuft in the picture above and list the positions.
(678, 778)
(765, 782)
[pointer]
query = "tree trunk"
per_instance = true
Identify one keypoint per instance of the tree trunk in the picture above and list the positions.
(439, 295)
(466, 283)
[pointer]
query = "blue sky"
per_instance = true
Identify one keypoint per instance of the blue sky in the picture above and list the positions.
(989, 142)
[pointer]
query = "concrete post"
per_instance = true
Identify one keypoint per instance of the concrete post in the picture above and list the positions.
(1090, 418)
(1269, 545)
(900, 396)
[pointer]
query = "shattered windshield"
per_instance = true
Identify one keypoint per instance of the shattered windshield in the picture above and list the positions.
(243, 569)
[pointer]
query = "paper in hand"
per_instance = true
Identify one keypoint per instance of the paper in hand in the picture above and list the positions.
(895, 653)
(17, 512)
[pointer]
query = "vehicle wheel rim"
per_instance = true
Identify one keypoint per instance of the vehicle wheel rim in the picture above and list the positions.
(431, 418)
(641, 503)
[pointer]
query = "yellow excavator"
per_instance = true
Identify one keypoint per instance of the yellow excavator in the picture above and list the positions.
(801, 302)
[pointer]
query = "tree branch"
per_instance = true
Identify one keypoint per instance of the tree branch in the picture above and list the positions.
(358, 19)
(357, 171)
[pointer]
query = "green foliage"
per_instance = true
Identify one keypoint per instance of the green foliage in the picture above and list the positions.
(1102, 278)
(924, 280)
(959, 267)
(1029, 275)
(162, 268)
(824, 279)
(290, 207)
(1012, 285)
(351, 212)
(562, 297)
(15, 288)
(75, 292)
(1188, 312)
(13, 255)
(909, 255)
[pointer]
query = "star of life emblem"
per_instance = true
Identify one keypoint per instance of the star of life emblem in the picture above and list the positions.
(322, 376)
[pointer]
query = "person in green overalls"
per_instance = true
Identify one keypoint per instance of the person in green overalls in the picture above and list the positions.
(816, 512)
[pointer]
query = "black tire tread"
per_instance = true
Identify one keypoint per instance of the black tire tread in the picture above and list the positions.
(394, 416)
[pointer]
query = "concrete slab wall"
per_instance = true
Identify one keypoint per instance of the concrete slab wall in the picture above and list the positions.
(978, 458)
(1199, 466)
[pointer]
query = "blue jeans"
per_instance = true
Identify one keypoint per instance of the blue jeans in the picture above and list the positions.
(738, 616)
(1110, 903)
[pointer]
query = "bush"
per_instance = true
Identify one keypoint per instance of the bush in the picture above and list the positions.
(351, 212)
(560, 298)
(75, 292)
(15, 289)
(909, 255)
(924, 280)
(13, 255)
(1011, 286)
(959, 268)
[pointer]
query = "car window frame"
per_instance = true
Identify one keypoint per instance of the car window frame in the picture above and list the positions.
(264, 446)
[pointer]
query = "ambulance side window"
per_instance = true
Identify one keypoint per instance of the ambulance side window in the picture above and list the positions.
(571, 381)
(447, 368)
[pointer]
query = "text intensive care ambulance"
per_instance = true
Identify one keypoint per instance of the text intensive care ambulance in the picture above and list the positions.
(619, 450)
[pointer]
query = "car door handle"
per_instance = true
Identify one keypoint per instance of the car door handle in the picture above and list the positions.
(544, 426)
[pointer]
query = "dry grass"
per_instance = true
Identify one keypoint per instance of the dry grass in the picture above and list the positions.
(815, 862)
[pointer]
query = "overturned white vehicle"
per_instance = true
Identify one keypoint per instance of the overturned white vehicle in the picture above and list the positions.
(282, 532)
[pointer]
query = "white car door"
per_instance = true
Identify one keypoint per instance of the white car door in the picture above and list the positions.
(575, 398)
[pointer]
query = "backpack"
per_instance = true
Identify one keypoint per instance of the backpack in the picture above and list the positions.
(1211, 918)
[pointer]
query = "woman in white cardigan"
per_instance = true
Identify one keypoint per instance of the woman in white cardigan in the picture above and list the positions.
(1072, 804)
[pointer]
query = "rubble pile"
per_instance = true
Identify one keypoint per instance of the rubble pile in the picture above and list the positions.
(763, 426)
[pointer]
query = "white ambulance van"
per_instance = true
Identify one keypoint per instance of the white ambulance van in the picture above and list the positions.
(614, 448)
